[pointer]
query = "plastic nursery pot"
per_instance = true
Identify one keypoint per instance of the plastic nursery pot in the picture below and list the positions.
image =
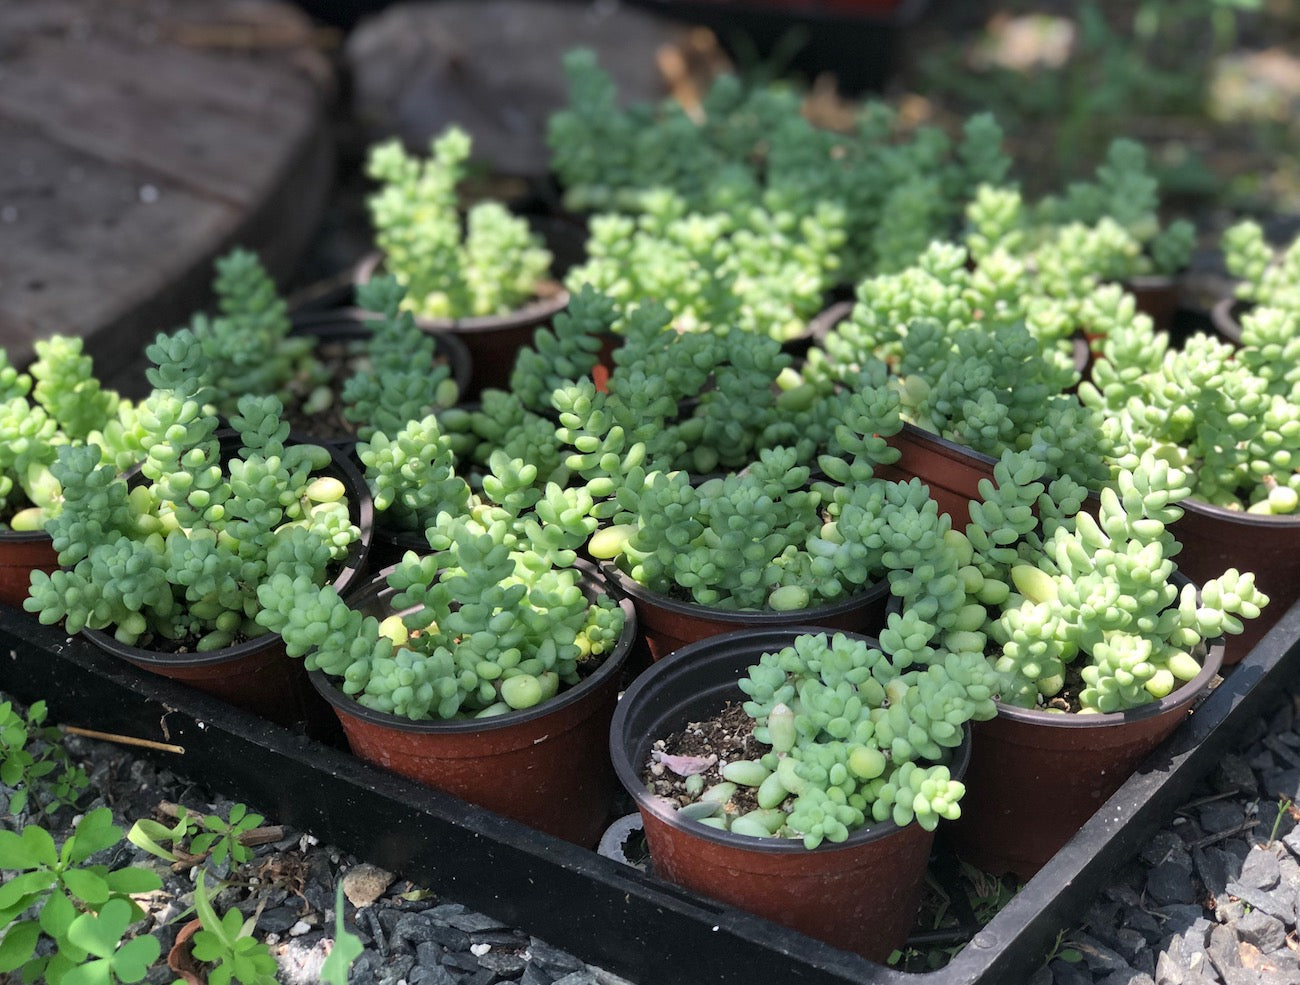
(334, 330)
(1035, 776)
(21, 553)
(1215, 539)
(257, 675)
(492, 340)
(861, 895)
(546, 766)
(1157, 295)
(952, 471)
(1225, 316)
(666, 624)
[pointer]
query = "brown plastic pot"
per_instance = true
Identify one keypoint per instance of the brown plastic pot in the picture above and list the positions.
(1157, 295)
(1225, 316)
(666, 624)
(492, 340)
(257, 675)
(952, 471)
(861, 895)
(21, 553)
(547, 766)
(1035, 777)
(1215, 539)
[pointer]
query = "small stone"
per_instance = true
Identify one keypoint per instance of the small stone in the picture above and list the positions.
(460, 961)
(396, 969)
(471, 922)
(1171, 882)
(1233, 774)
(1281, 784)
(1215, 868)
(365, 883)
(535, 975)
(1164, 845)
(583, 977)
(1220, 816)
(478, 950)
(1222, 949)
(1127, 976)
(1262, 931)
(1276, 903)
(1145, 924)
(1099, 958)
(417, 929)
(499, 938)
(552, 959)
(1261, 870)
(424, 974)
(1292, 841)
(364, 968)
(484, 976)
(1041, 976)
(1169, 971)
(1069, 973)
(1129, 943)
(507, 964)
(605, 977)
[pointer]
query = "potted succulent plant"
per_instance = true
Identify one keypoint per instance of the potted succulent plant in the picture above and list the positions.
(1100, 648)
(758, 268)
(769, 545)
(161, 568)
(980, 361)
(57, 401)
(1125, 193)
(752, 145)
(801, 775)
(488, 666)
(482, 278)
(1227, 416)
(252, 345)
(1265, 276)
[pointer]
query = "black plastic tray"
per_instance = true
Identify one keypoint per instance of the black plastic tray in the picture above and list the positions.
(609, 914)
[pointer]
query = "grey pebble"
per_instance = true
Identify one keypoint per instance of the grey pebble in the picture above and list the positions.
(1127, 976)
(1099, 958)
(534, 975)
(484, 976)
(1261, 870)
(1261, 930)
(1215, 868)
(460, 961)
(1233, 773)
(1223, 950)
(507, 964)
(1282, 784)
(1069, 973)
(396, 968)
(278, 919)
(471, 922)
(424, 974)
(582, 977)
(420, 928)
(1220, 815)
(1171, 882)
(554, 960)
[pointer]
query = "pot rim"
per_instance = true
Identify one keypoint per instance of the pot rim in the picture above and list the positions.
(762, 617)
(611, 666)
(1239, 517)
(1183, 695)
(550, 298)
(683, 661)
(24, 536)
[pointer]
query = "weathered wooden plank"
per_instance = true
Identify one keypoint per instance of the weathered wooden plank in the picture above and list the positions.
(176, 113)
(83, 241)
(139, 140)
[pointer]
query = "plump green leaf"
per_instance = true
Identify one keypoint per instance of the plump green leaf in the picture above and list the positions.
(99, 972)
(133, 879)
(18, 945)
(100, 933)
(40, 848)
(25, 887)
(135, 957)
(95, 832)
(86, 885)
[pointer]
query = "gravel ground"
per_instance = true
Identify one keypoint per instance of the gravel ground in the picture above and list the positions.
(1213, 898)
